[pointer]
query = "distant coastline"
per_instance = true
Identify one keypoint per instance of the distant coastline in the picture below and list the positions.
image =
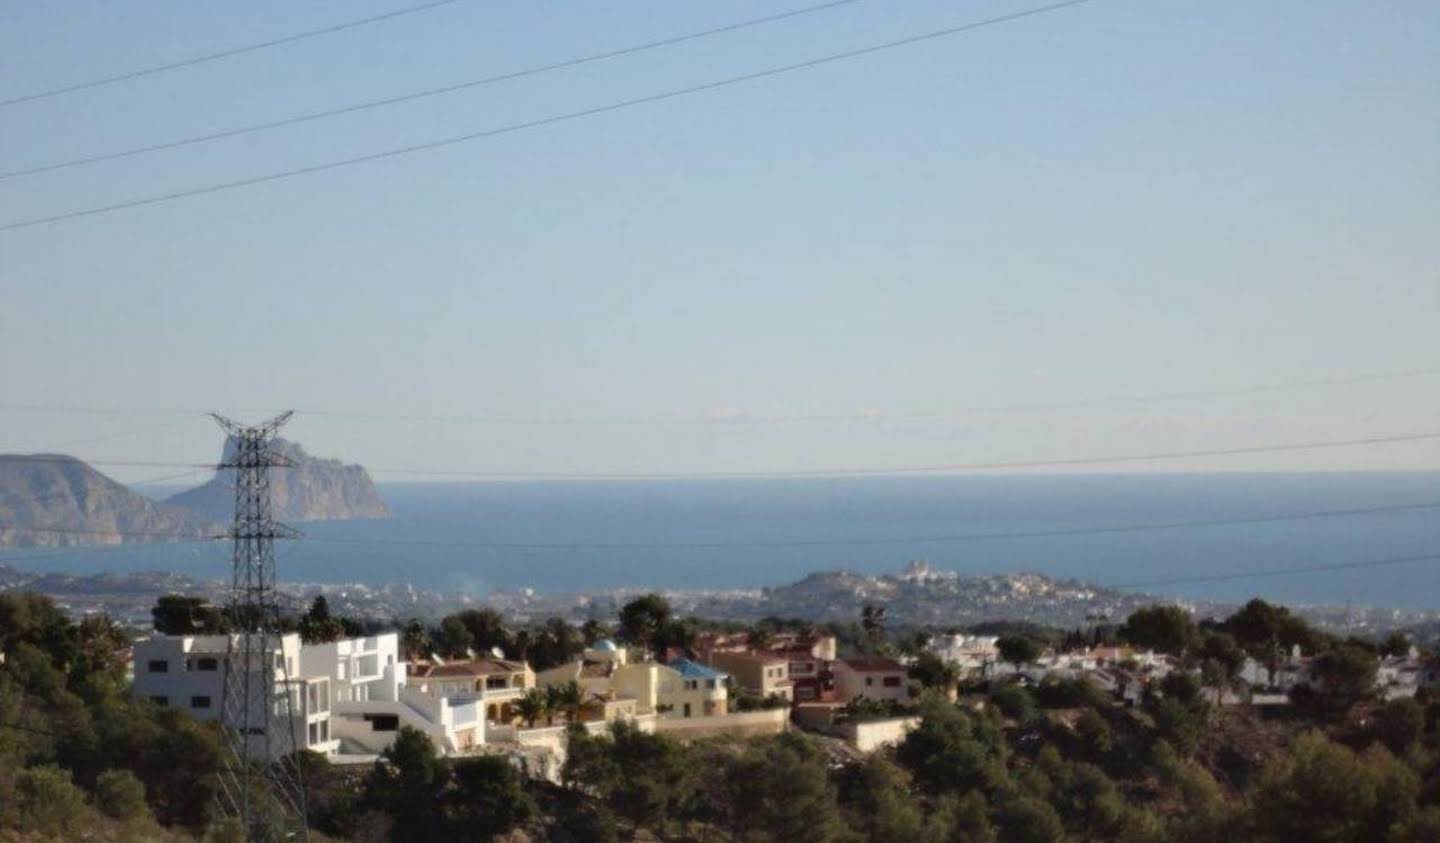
(917, 596)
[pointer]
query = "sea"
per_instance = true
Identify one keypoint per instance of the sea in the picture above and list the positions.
(1136, 530)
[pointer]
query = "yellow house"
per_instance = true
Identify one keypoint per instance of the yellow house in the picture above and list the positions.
(690, 689)
(680, 689)
(761, 673)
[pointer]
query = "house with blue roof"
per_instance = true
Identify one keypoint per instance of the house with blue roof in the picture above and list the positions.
(690, 689)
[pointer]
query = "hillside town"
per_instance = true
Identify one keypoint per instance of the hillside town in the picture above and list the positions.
(349, 697)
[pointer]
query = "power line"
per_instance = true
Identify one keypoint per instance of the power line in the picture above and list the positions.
(233, 51)
(743, 419)
(827, 472)
(44, 458)
(70, 493)
(425, 93)
(113, 436)
(50, 553)
(1313, 383)
(544, 121)
(925, 469)
(1277, 572)
(887, 540)
(891, 540)
(137, 534)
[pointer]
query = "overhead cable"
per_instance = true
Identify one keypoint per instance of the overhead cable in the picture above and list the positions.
(742, 419)
(420, 94)
(1279, 572)
(853, 541)
(537, 123)
(858, 471)
(233, 51)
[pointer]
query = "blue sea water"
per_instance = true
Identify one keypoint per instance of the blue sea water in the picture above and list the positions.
(438, 534)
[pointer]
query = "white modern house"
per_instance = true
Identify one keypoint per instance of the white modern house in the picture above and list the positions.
(347, 696)
(188, 671)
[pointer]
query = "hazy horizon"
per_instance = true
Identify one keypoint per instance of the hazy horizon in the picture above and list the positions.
(1023, 229)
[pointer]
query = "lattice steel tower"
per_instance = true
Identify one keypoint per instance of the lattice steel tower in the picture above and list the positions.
(259, 779)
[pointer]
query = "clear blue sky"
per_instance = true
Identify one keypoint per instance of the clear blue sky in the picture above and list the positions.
(1120, 198)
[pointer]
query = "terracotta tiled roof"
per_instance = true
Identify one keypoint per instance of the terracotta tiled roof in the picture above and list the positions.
(473, 667)
(874, 664)
(760, 656)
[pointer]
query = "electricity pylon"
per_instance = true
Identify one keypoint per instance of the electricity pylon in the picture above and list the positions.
(260, 782)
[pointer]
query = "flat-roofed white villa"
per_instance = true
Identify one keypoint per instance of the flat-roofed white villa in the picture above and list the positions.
(348, 696)
(188, 671)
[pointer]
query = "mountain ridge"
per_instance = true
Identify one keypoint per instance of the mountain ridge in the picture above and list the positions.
(55, 500)
(313, 489)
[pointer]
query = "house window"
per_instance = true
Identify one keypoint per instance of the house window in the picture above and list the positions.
(314, 733)
(324, 730)
(207, 663)
(160, 700)
(687, 709)
(869, 680)
(383, 722)
(157, 666)
(892, 681)
(199, 702)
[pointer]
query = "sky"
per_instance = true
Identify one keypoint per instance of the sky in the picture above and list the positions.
(952, 252)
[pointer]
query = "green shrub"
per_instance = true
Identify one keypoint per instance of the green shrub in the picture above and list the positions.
(48, 802)
(1014, 702)
(120, 795)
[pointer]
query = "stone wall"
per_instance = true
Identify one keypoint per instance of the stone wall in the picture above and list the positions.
(769, 722)
(873, 734)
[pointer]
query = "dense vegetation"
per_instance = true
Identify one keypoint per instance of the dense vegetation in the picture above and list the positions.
(1061, 762)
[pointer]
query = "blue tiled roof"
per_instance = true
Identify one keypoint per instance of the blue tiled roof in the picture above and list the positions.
(695, 670)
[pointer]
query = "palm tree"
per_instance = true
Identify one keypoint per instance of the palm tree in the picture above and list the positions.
(532, 706)
(872, 620)
(569, 698)
(554, 702)
(521, 642)
(415, 641)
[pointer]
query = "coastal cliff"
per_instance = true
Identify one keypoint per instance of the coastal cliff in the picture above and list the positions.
(53, 500)
(313, 489)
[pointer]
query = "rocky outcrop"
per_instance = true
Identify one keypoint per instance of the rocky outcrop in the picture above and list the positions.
(53, 500)
(313, 489)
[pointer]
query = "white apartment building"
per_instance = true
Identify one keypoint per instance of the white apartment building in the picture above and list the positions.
(347, 696)
(188, 671)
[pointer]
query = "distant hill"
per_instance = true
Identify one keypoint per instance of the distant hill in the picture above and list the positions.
(58, 492)
(315, 489)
